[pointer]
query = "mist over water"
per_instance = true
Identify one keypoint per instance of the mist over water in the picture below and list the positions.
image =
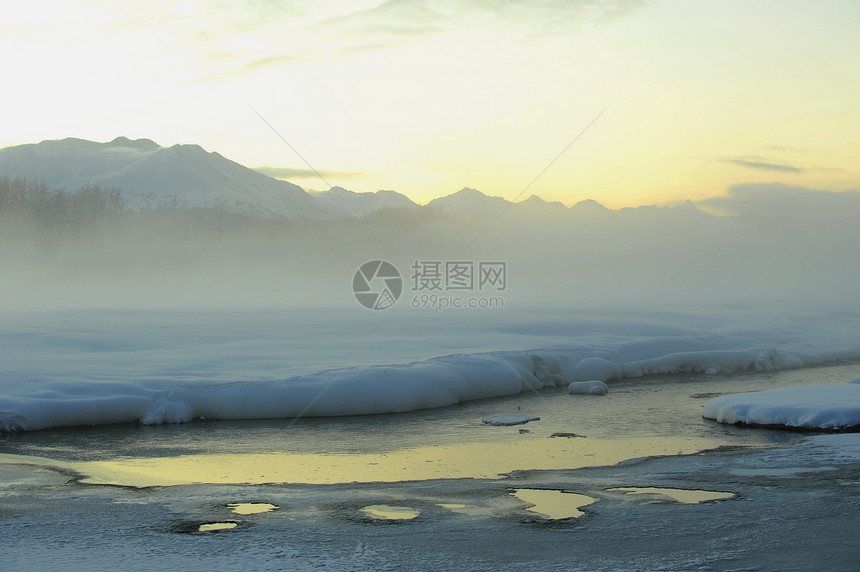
(91, 251)
(398, 309)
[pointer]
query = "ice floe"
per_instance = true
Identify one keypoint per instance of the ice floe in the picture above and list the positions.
(593, 387)
(819, 406)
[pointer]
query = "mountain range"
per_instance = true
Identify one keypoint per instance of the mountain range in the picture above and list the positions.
(187, 176)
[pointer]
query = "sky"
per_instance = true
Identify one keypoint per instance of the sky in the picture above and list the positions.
(626, 102)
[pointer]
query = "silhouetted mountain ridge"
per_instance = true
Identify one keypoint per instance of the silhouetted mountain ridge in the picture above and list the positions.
(187, 176)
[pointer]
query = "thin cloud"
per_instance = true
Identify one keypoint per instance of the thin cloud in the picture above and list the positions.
(320, 34)
(529, 20)
(411, 19)
(241, 67)
(288, 173)
(322, 37)
(389, 19)
(762, 165)
(784, 149)
(829, 169)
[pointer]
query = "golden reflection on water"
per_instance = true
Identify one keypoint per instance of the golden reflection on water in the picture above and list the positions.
(462, 460)
(470, 510)
(552, 504)
(245, 508)
(386, 512)
(683, 496)
(216, 526)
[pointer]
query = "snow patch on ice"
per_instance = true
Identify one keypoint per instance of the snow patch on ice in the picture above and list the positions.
(592, 387)
(820, 406)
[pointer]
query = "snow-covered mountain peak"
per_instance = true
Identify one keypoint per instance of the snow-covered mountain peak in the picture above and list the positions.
(590, 205)
(139, 144)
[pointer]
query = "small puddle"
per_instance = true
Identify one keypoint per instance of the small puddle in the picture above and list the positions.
(216, 526)
(706, 395)
(508, 420)
(683, 496)
(386, 512)
(553, 504)
(245, 508)
(469, 510)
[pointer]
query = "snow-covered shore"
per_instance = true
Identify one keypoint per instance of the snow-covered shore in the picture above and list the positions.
(113, 368)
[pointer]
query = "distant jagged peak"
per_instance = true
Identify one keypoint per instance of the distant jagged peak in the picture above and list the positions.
(67, 140)
(590, 205)
(78, 145)
(469, 192)
(381, 194)
(537, 206)
(338, 190)
(66, 144)
(468, 195)
(688, 205)
(687, 208)
(536, 200)
(390, 193)
(361, 203)
(533, 199)
(189, 148)
(139, 144)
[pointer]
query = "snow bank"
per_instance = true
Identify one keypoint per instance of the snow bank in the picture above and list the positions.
(89, 369)
(359, 391)
(719, 361)
(432, 383)
(354, 391)
(821, 406)
(593, 387)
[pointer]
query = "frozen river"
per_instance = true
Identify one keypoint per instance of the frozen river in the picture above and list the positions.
(438, 489)
(634, 479)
